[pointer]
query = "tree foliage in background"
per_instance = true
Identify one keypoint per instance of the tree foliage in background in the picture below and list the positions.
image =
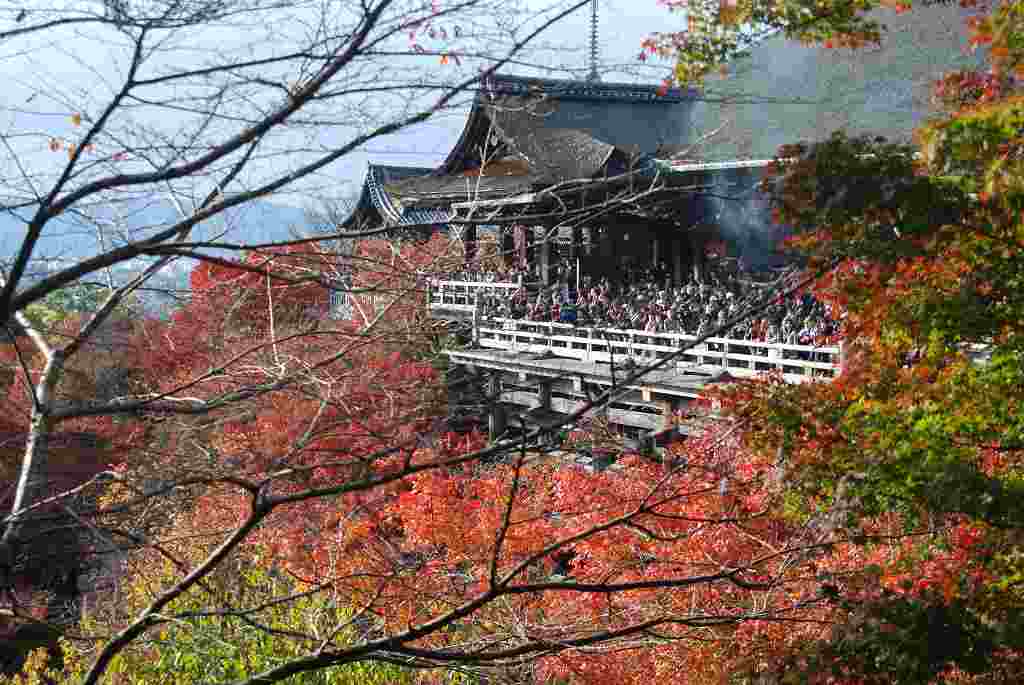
(325, 469)
(201, 648)
(857, 531)
(910, 462)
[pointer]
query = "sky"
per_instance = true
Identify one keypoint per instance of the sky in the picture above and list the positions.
(48, 79)
(40, 95)
(622, 26)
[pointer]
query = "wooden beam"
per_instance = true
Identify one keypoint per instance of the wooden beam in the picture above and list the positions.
(508, 247)
(469, 246)
(544, 395)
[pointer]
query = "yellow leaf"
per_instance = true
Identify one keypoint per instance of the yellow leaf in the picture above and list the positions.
(730, 13)
(76, 119)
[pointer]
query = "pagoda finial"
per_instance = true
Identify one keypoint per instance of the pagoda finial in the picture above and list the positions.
(593, 75)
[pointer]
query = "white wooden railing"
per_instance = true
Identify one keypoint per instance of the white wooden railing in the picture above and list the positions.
(464, 295)
(741, 358)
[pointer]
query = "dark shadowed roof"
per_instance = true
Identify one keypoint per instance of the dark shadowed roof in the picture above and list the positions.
(427, 190)
(523, 125)
(635, 118)
(376, 207)
(527, 133)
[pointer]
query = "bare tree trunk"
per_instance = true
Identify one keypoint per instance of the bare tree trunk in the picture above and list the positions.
(34, 474)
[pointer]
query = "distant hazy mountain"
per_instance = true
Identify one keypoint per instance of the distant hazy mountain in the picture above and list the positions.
(786, 92)
(68, 238)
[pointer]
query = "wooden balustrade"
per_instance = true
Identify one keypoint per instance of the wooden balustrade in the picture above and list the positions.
(742, 358)
(464, 294)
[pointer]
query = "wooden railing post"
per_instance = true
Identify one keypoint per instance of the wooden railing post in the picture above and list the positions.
(476, 326)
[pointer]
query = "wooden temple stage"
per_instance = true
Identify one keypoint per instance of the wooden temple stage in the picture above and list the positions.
(540, 372)
(595, 180)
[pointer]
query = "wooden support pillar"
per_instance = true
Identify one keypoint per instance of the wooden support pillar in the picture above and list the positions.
(508, 247)
(668, 409)
(697, 257)
(600, 412)
(544, 395)
(575, 253)
(677, 261)
(469, 246)
(531, 249)
(576, 250)
(546, 267)
(498, 419)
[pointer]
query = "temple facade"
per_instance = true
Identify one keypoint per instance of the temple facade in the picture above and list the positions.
(592, 175)
(615, 247)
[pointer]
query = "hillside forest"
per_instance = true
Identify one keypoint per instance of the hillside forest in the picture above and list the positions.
(254, 490)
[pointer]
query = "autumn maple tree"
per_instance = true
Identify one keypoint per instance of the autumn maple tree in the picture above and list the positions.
(430, 549)
(861, 530)
(163, 133)
(909, 463)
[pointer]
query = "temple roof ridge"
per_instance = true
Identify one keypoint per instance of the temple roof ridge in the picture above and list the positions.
(572, 89)
(375, 198)
(398, 170)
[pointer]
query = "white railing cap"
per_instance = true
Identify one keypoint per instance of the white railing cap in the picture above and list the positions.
(519, 324)
(476, 284)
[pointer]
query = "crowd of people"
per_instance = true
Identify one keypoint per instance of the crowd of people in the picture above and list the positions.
(654, 305)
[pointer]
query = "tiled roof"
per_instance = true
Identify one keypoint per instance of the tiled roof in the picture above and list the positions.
(553, 154)
(634, 118)
(428, 190)
(533, 133)
(413, 217)
(375, 200)
(587, 91)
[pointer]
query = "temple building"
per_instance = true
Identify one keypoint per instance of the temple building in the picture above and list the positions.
(581, 183)
(616, 194)
(566, 169)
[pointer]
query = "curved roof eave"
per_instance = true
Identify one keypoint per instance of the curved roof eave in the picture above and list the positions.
(477, 120)
(374, 197)
(474, 121)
